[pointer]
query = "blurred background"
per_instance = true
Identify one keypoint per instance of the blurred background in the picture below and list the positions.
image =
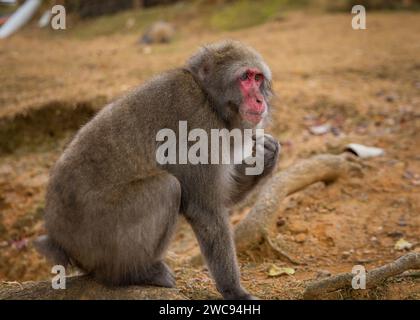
(334, 85)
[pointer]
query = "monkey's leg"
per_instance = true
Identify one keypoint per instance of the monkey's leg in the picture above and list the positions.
(147, 213)
(212, 230)
(159, 275)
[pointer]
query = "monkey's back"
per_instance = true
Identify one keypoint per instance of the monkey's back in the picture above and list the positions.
(113, 151)
(118, 145)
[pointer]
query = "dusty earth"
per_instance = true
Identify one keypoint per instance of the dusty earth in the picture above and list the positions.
(366, 84)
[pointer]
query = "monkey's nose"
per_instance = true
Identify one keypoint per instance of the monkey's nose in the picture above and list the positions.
(259, 101)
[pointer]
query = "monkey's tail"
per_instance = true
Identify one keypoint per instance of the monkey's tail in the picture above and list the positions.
(52, 251)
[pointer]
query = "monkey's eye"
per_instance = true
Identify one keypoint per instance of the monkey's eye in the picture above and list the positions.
(244, 76)
(258, 77)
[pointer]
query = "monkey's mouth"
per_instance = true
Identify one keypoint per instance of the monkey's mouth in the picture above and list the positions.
(253, 116)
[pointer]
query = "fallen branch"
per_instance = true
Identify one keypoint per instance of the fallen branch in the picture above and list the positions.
(409, 261)
(257, 226)
(83, 288)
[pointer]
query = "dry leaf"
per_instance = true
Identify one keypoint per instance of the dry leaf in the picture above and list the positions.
(275, 271)
(402, 244)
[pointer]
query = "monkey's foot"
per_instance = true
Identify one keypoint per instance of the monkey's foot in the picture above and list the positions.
(247, 297)
(241, 297)
(161, 275)
(238, 295)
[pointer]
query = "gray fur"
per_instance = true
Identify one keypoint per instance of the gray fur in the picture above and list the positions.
(111, 209)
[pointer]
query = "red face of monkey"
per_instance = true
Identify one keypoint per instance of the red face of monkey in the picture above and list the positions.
(254, 106)
(236, 81)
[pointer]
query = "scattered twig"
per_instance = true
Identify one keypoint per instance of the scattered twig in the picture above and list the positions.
(373, 278)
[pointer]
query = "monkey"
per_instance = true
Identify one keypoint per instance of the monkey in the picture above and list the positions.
(111, 208)
(159, 32)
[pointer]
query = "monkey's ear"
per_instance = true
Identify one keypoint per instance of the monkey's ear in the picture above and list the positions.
(203, 71)
(201, 64)
(267, 89)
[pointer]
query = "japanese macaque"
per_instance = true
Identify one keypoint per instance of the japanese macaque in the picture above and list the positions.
(111, 208)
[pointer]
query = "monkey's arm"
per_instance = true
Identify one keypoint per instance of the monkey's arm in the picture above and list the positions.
(243, 183)
(202, 205)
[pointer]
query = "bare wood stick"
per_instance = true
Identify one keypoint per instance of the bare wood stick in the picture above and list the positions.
(255, 227)
(373, 278)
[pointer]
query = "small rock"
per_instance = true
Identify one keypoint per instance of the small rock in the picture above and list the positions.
(320, 130)
(391, 97)
(6, 170)
(402, 222)
(37, 181)
(390, 122)
(361, 129)
(301, 237)
(4, 244)
(399, 165)
(147, 50)
(323, 210)
(364, 197)
(323, 274)
(363, 260)
(415, 182)
(281, 222)
(130, 23)
(408, 175)
(158, 32)
(346, 254)
(335, 131)
(380, 93)
(20, 244)
(291, 204)
(395, 234)
(400, 202)
(297, 227)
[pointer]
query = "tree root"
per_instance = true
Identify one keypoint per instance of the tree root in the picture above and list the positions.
(260, 221)
(257, 226)
(373, 277)
(278, 249)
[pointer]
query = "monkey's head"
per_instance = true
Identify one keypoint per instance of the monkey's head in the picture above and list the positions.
(236, 80)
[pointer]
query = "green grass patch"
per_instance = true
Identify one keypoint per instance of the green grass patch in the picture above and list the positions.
(231, 15)
(247, 13)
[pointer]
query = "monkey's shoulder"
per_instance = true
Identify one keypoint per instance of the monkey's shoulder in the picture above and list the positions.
(170, 86)
(173, 94)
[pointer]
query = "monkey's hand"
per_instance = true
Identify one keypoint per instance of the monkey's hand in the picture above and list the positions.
(268, 147)
(266, 152)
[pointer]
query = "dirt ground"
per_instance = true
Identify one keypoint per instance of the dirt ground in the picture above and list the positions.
(364, 83)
